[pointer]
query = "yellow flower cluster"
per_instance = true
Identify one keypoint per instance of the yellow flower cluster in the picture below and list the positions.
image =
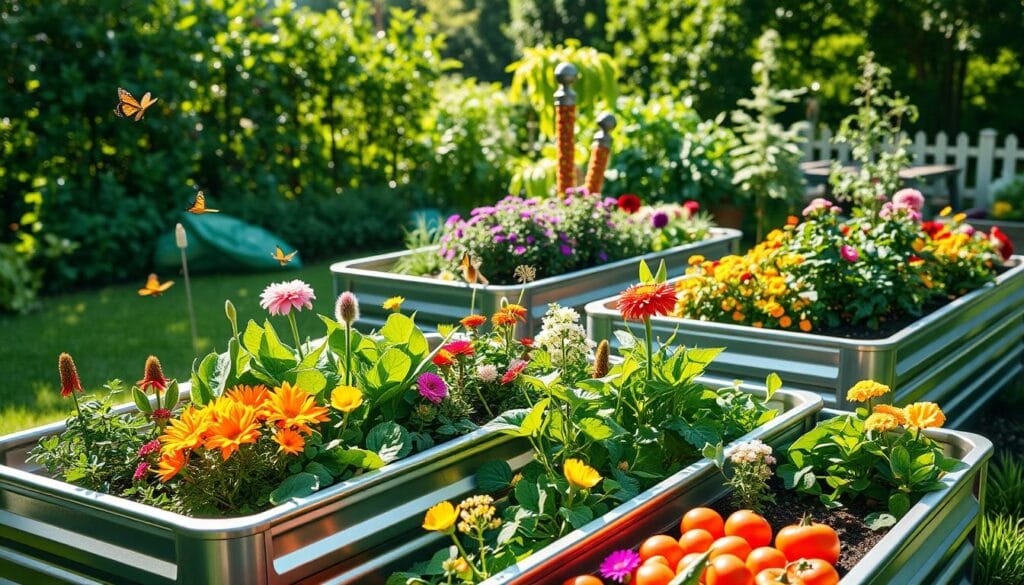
(752, 289)
(866, 390)
(475, 512)
(920, 415)
(240, 417)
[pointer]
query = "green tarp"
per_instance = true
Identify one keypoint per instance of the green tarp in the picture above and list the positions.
(221, 243)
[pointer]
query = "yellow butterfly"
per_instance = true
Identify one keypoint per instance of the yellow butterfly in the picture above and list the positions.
(128, 106)
(199, 205)
(154, 287)
(471, 270)
(281, 257)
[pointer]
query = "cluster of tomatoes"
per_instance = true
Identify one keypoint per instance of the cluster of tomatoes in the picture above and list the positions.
(739, 552)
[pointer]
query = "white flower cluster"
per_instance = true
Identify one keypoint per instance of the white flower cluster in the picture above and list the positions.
(561, 331)
(487, 372)
(751, 452)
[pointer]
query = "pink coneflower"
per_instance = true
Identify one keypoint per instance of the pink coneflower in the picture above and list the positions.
(69, 381)
(849, 253)
(346, 310)
(153, 377)
(149, 448)
(280, 298)
(619, 565)
(432, 387)
(514, 369)
(140, 471)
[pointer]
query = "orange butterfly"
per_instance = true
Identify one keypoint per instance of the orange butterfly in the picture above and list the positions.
(199, 205)
(128, 106)
(154, 287)
(281, 257)
(471, 270)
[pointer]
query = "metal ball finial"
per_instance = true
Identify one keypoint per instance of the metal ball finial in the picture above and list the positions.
(607, 121)
(566, 74)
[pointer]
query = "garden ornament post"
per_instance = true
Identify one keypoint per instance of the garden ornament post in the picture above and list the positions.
(565, 125)
(599, 153)
(181, 240)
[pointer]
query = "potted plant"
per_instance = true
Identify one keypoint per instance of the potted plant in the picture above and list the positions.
(875, 497)
(931, 309)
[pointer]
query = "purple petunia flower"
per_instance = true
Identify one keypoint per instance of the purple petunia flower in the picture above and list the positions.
(499, 239)
(432, 387)
(602, 256)
(566, 250)
(530, 239)
(519, 250)
(659, 220)
(619, 565)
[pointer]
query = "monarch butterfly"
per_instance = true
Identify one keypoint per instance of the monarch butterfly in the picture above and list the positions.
(128, 106)
(281, 257)
(198, 205)
(471, 270)
(154, 287)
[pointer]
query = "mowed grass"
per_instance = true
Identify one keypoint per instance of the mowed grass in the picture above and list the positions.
(110, 331)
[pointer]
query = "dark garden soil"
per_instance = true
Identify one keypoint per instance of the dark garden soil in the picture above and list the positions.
(1001, 422)
(790, 506)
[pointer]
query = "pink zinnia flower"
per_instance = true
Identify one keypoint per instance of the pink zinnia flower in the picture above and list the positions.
(816, 205)
(849, 253)
(432, 387)
(281, 297)
(514, 369)
(150, 447)
(619, 565)
(140, 471)
(908, 199)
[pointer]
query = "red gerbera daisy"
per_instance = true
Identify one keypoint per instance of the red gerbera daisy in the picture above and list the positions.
(1002, 242)
(642, 301)
(932, 228)
(526, 341)
(629, 203)
(459, 347)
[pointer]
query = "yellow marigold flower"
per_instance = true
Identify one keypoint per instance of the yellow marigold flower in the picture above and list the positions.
(441, 517)
(187, 431)
(917, 245)
(1001, 208)
(346, 398)
(945, 211)
(235, 425)
(291, 442)
(866, 390)
(580, 475)
(171, 462)
(776, 286)
(924, 415)
(894, 411)
(881, 422)
(393, 304)
(695, 259)
(728, 304)
(294, 408)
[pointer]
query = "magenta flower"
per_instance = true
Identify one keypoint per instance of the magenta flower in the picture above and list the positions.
(908, 199)
(149, 448)
(659, 220)
(619, 565)
(514, 369)
(432, 387)
(140, 471)
(849, 253)
(566, 250)
(691, 206)
(281, 297)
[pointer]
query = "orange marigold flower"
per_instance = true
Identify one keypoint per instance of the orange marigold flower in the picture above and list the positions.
(805, 325)
(881, 422)
(293, 408)
(508, 315)
(517, 310)
(236, 426)
(290, 441)
(473, 321)
(737, 316)
(785, 321)
(894, 411)
(695, 259)
(643, 301)
(252, 396)
(187, 431)
(924, 415)
(171, 463)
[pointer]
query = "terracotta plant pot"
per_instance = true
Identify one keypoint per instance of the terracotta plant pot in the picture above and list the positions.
(729, 215)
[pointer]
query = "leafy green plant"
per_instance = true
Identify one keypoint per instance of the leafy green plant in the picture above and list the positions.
(999, 550)
(421, 261)
(1005, 494)
(751, 465)
(1008, 199)
(766, 164)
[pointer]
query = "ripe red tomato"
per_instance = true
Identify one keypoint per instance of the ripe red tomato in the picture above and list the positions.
(775, 577)
(696, 540)
(654, 574)
(813, 572)
(704, 518)
(583, 580)
(765, 557)
(730, 545)
(728, 570)
(809, 540)
(749, 526)
(664, 545)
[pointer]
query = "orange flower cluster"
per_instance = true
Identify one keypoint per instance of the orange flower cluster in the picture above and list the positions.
(753, 289)
(509, 315)
(240, 417)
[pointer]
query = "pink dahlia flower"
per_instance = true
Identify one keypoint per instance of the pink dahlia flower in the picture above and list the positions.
(849, 253)
(908, 199)
(281, 297)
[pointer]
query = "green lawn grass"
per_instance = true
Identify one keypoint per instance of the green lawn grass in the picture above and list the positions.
(110, 331)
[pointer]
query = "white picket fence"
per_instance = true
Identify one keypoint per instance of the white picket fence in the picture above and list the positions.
(981, 162)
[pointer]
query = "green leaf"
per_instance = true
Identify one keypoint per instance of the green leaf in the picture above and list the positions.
(596, 428)
(662, 274)
(715, 453)
(772, 383)
(703, 356)
(645, 273)
(312, 381)
(389, 440)
(271, 346)
(141, 400)
(494, 476)
(322, 473)
(531, 424)
(691, 574)
(398, 328)
(698, 434)
(879, 520)
(578, 516)
(360, 458)
(299, 485)
(899, 504)
(170, 398)
(252, 337)
(900, 460)
(530, 496)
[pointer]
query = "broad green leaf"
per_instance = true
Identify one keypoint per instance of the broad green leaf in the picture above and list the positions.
(322, 473)
(531, 424)
(662, 274)
(715, 453)
(645, 273)
(389, 440)
(509, 421)
(310, 380)
(772, 383)
(703, 355)
(899, 504)
(879, 520)
(141, 401)
(170, 397)
(299, 485)
(252, 337)
(494, 476)
(398, 328)
(578, 516)
(595, 428)
(900, 460)
(360, 458)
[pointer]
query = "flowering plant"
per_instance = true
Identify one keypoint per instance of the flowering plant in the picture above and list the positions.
(1008, 199)
(878, 453)
(597, 441)
(751, 464)
(827, 272)
(560, 235)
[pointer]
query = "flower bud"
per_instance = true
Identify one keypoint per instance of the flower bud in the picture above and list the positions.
(601, 360)
(179, 236)
(69, 381)
(347, 308)
(154, 376)
(232, 314)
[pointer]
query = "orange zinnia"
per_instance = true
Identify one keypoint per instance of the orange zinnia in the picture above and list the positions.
(187, 431)
(236, 426)
(170, 464)
(290, 441)
(473, 321)
(291, 407)
(643, 301)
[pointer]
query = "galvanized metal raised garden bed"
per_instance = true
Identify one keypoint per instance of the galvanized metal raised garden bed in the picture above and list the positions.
(958, 356)
(798, 411)
(931, 545)
(438, 302)
(52, 532)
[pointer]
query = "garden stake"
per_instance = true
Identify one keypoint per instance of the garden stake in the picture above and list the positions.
(599, 153)
(182, 241)
(565, 125)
